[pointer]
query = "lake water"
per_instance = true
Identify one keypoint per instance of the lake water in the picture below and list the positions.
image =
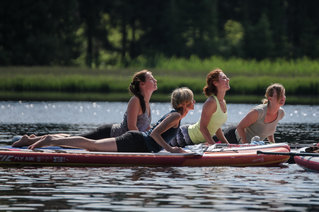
(284, 188)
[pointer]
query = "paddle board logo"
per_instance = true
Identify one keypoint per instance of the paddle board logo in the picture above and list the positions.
(15, 158)
(6, 158)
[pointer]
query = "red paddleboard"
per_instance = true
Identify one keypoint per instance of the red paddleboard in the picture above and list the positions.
(307, 162)
(233, 156)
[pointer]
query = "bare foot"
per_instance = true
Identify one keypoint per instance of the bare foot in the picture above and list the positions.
(44, 141)
(26, 141)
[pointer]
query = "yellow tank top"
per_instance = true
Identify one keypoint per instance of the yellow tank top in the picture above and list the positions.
(217, 120)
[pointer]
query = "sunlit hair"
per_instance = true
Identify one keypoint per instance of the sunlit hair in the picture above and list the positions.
(270, 91)
(212, 76)
(134, 87)
(180, 97)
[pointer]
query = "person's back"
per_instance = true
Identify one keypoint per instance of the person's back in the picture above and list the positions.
(216, 121)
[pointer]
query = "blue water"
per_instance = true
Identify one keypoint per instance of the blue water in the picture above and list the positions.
(284, 188)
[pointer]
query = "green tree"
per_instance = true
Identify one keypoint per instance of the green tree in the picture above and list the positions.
(38, 32)
(259, 41)
(234, 35)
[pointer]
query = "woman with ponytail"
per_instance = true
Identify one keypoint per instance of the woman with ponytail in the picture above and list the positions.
(213, 116)
(154, 140)
(136, 117)
(262, 120)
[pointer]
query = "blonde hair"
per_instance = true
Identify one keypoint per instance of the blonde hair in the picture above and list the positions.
(270, 91)
(211, 77)
(180, 96)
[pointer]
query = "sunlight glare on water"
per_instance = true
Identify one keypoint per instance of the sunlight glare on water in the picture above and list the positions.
(112, 112)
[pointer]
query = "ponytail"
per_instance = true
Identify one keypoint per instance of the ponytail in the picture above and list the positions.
(270, 91)
(134, 87)
(210, 88)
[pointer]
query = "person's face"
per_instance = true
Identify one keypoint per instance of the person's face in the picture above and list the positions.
(150, 82)
(281, 101)
(223, 82)
(190, 105)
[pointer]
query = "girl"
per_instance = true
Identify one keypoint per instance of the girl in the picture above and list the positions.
(153, 140)
(262, 120)
(136, 117)
(214, 114)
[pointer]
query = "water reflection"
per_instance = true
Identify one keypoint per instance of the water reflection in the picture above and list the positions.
(159, 189)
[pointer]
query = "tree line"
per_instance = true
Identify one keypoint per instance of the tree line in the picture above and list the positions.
(105, 32)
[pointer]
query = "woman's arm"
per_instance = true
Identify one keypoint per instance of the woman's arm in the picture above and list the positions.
(170, 121)
(248, 120)
(220, 135)
(209, 108)
(271, 139)
(133, 110)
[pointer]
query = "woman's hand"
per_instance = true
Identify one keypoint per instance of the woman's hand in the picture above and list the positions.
(177, 150)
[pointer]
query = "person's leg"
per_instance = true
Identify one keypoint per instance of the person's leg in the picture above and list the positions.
(99, 133)
(28, 140)
(131, 141)
(105, 145)
(182, 138)
(230, 135)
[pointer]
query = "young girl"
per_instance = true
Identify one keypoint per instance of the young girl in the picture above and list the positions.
(214, 114)
(136, 117)
(153, 140)
(262, 120)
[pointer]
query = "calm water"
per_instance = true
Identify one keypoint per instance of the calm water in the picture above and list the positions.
(285, 188)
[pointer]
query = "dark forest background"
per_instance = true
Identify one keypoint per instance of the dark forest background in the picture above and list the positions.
(104, 32)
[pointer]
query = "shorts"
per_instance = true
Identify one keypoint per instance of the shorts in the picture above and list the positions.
(131, 141)
(99, 133)
(182, 138)
(230, 135)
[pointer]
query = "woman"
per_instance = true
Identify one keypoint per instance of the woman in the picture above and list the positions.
(153, 140)
(213, 116)
(262, 120)
(136, 117)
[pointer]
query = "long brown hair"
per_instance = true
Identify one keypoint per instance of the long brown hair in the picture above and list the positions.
(134, 87)
(212, 76)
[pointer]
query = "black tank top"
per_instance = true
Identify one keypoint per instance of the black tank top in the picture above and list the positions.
(167, 135)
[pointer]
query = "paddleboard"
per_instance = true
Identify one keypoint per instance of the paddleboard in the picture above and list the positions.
(307, 162)
(238, 156)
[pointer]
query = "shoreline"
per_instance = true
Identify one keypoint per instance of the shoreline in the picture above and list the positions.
(124, 97)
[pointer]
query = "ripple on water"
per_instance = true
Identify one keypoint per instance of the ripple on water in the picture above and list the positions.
(147, 189)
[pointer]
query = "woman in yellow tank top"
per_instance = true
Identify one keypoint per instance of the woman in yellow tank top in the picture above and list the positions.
(213, 116)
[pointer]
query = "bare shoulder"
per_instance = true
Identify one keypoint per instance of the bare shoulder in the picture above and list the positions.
(175, 115)
(134, 106)
(134, 100)
(252, 115)
(173, 119)
(253, 112)
(210, 101)
(210, 104)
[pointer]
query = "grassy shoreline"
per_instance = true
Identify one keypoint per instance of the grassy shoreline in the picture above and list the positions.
(248, 82)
